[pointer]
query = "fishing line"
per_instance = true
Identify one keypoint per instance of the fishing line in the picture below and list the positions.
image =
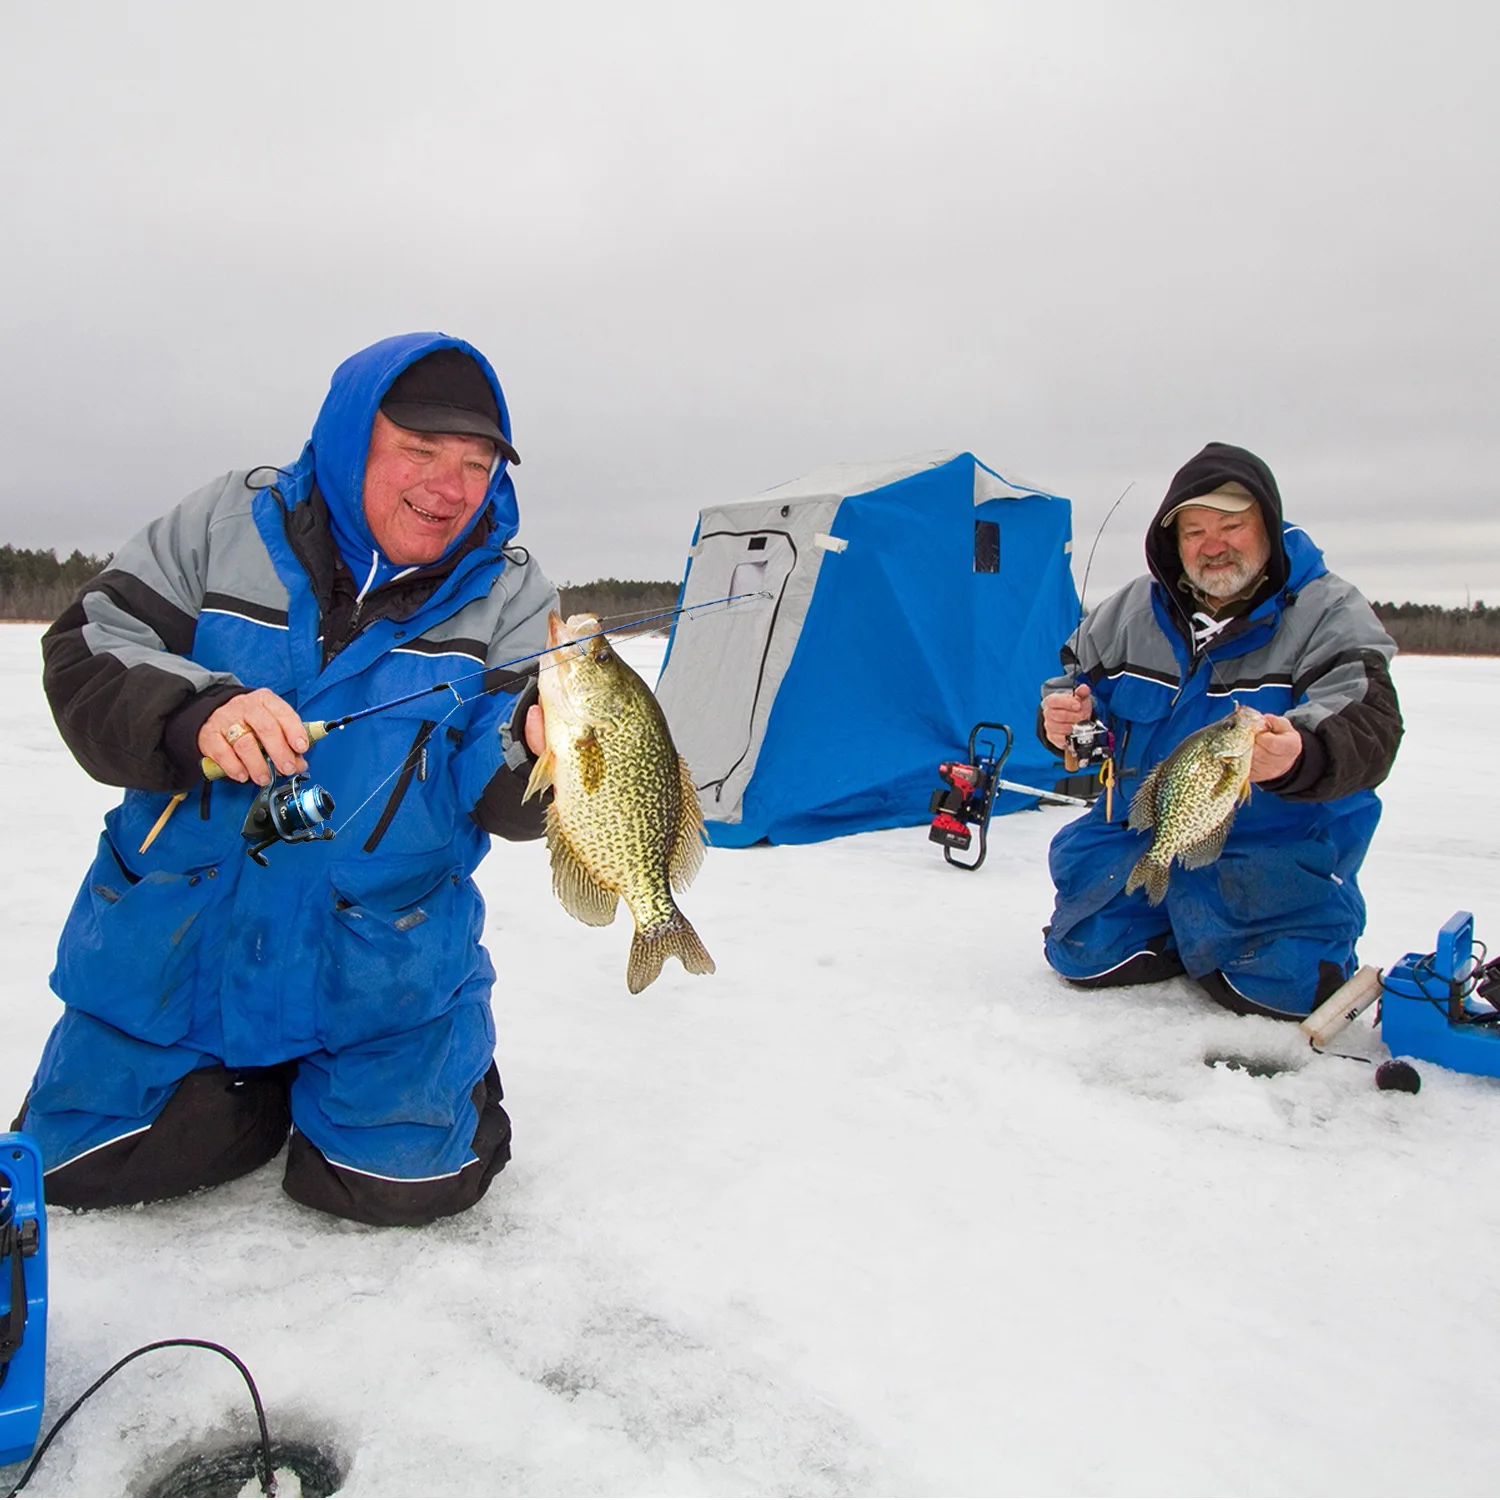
(460, 701)
(1198, 651)
(626, 622)
(409, 758)
(295, 812)
(1088, 568)
(451, 686)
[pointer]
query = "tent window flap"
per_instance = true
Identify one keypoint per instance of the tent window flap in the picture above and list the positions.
(986, 546)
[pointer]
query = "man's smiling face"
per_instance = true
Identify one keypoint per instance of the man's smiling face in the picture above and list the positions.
(422, 489)
(1222, 554)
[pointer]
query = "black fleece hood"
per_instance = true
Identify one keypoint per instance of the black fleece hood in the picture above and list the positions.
(1204, 472)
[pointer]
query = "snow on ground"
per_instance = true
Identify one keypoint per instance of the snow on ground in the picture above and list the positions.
(882, 1207)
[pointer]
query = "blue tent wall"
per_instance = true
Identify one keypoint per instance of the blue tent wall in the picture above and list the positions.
(904, 648)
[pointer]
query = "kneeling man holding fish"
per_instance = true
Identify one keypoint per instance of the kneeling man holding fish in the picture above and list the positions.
(1249, 693)
(331, 999)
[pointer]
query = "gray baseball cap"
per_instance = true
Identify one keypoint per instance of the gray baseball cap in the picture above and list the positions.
(1231, 497)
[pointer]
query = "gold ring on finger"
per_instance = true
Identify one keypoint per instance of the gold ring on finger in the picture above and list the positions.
(234, 732)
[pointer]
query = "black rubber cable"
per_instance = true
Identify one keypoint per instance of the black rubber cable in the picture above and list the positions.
(267, 1475)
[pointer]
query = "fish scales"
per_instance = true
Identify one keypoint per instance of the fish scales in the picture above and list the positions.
(624, 823)
(1190, 800)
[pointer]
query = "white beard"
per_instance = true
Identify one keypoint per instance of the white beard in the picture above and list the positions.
(1222, 583)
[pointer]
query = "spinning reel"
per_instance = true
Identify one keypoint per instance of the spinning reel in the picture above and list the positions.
(1088, 744)
(1091, 745)
(295, 811)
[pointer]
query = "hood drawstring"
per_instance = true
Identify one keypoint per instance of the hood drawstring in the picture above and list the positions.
(359, 598)
(1206, 629)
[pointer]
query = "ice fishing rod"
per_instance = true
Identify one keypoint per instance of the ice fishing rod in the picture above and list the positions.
(1089, 565)
(1091, 742)
(298, 812)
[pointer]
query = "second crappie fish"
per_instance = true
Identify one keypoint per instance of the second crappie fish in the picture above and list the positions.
(1191, 798)
(624, 824)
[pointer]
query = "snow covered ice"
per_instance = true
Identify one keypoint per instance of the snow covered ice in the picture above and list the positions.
(882, 1207)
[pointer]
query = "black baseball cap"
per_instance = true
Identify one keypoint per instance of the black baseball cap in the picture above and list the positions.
(446, 391)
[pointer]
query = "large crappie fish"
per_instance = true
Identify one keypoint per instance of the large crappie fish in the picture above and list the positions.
(624, 823)
(1191, 798)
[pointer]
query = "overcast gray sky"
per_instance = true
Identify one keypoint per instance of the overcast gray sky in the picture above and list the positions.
(709, 247)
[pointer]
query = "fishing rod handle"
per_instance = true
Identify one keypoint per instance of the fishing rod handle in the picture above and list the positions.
(316, 729)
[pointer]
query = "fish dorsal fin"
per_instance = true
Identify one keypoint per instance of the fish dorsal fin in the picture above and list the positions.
(1208, 848)
(686, 858)
(582, 896)
(1143, 809)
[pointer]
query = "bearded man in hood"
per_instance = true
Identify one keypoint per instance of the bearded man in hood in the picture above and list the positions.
(1237, 607)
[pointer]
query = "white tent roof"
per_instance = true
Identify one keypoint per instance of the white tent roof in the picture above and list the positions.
(838, 481)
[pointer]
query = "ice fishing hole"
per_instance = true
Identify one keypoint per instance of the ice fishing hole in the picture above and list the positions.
(1256, 1067)
(232, 1471)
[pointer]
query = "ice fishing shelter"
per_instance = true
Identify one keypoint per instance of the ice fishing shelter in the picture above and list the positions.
(899, 604)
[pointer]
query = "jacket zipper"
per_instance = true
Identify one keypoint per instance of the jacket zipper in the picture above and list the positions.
(415, 764)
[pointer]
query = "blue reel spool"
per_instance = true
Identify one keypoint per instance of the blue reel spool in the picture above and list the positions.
(23, 1296)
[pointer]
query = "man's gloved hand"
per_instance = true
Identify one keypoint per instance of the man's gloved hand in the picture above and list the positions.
(1061, 711)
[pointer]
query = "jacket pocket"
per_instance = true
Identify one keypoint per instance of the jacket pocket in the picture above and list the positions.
(1141, 699)
(130, 950)
(401, 940)
(1288, 888)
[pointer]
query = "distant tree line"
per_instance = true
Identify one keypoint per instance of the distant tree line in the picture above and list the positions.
(35, 585)
(1422, 628)
(1435, 631)
(619, 602)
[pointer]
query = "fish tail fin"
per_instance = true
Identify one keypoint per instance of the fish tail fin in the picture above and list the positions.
(1151, 873)
(650, 949)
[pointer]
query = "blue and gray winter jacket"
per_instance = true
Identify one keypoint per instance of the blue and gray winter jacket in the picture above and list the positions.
(333, 944)
(1308, 647)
